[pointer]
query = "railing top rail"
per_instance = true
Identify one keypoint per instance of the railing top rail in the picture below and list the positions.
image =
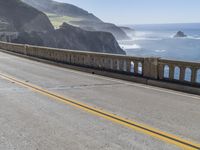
(81, 52)
(87, 52)
(179, 63)
(12, 43)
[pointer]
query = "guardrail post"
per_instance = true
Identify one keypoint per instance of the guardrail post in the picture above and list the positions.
(161, 71)
(182, 73)
(25, 49)
(194, 75)
(171, 72)
(151, 67)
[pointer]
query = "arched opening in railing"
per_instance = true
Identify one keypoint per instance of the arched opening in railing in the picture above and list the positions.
(84, 60)
(102, 62)
(188, 74)
(110, 64)
(132, 67)
(140, 68)
(92, 61)
(198, 76)
(177, 73)
(166, 71)
(124, 65)
(118, 64)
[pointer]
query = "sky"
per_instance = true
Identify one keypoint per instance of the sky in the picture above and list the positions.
(142, 11)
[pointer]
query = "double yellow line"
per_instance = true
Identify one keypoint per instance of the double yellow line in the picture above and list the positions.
(184, 144)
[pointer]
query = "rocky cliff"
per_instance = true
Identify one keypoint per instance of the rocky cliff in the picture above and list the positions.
(180, 34)
(80, 39)
(70, 37)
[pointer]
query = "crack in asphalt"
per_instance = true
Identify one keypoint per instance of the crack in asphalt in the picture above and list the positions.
(84, 86)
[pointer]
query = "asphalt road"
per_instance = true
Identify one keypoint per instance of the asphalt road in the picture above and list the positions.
(31, 120)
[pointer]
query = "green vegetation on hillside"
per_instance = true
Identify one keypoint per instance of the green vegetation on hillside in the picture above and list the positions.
(73, 15)
(58, 20)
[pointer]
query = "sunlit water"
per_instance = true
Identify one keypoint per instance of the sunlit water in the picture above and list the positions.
(158, 41)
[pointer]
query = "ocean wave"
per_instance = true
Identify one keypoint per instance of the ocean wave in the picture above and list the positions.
(188, 37)
(147, 38)
(140, 38)
(193, 38)
(134, 46)
(160, 51)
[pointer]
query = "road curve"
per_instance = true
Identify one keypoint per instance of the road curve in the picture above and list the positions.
(169, 111)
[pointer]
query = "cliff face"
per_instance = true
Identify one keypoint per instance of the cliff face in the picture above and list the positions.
(21, 17)
(78, 17)
(71, 37)
(101, 26)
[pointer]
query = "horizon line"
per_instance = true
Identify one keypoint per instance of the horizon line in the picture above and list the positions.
(159, 23)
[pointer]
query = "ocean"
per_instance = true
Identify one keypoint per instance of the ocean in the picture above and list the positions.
(158, 41)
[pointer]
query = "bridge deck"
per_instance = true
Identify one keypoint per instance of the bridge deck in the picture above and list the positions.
(32, 120)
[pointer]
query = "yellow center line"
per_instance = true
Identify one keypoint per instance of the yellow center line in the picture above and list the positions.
(145, 129)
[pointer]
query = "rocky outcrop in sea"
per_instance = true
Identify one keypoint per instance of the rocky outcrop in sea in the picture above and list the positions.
(180, 34)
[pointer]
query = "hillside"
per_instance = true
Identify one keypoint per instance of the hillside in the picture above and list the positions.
(61, 9)
(18, 16)
(63, 12)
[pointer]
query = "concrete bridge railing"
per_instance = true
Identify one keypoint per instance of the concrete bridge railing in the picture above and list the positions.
(184, 72)
(150, 68)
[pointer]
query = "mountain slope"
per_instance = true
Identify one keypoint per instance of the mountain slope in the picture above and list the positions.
(63, 12)
(21, 17)
(62, 9)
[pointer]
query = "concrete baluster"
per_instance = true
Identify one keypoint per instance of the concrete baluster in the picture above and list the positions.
(150, 67)
(161, 71)
(124, 65)
(118, 64)
(114, 64)
(128, 66)
(72, 59)
(135, 67)
(182, 73)
(111, 63)
(194, 75)
(171, 72)
(121, 65)
(98, 62)
(91, 61)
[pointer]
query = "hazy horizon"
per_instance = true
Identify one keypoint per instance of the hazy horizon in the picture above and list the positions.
(142, 11)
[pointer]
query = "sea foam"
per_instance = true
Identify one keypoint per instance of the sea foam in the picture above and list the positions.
(133, 46)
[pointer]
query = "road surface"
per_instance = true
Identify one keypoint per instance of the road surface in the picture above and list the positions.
(35, 120)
